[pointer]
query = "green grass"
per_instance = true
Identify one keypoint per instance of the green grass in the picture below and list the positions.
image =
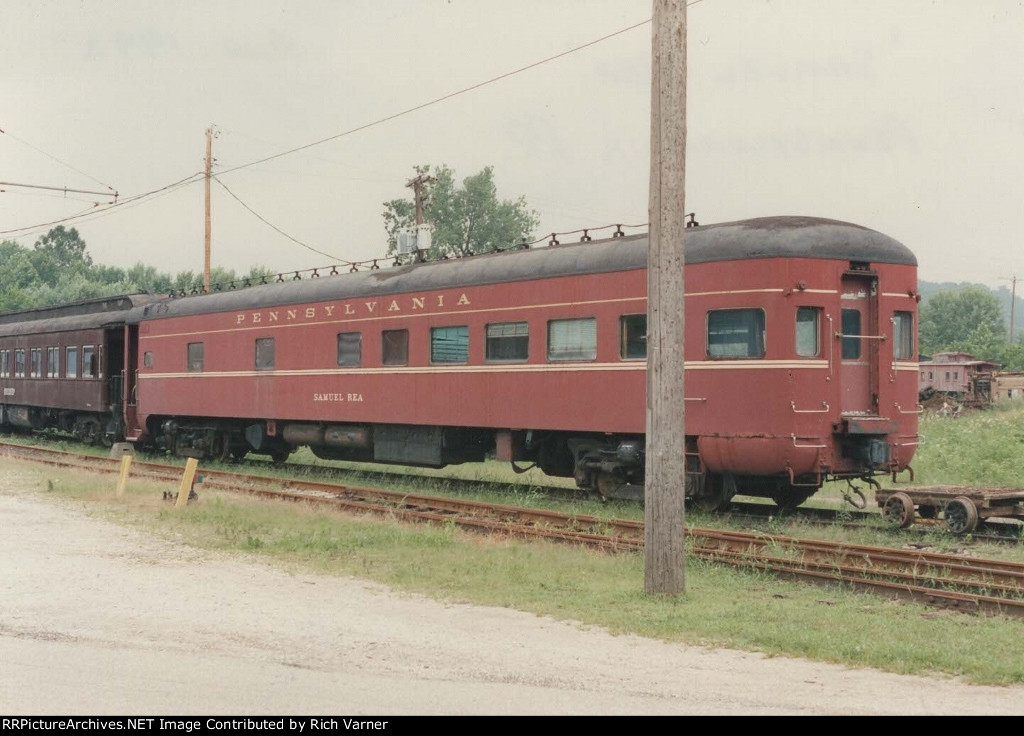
(721, 606)
(979, 448)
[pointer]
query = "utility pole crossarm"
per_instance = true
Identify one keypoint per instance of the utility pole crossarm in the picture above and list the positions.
(66, 190)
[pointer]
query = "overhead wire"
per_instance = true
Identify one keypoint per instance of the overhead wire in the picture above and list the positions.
(51, 156)
(267, 222)
(191, 179)
(437, 100)
(106, 209)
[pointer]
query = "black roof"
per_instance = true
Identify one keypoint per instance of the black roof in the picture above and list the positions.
(83, 315)
(766, 237)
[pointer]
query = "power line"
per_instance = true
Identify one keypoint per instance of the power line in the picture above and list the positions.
(63, 163)
(200, 175)
(448, 96)
(103, 210)
(264, 220)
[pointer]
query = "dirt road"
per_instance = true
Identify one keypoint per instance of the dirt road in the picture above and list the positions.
(98, 619)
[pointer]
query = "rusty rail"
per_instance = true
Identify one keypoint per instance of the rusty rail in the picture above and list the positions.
(950, 581)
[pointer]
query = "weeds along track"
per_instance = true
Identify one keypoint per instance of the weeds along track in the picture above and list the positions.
(387, 476)
(956, 582)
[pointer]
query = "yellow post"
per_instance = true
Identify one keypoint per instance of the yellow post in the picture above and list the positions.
(186, 482)
(122, 481)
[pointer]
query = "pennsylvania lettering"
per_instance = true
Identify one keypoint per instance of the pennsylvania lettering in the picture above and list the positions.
(354, 308)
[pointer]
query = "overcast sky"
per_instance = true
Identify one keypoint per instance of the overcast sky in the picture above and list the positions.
(904, 116)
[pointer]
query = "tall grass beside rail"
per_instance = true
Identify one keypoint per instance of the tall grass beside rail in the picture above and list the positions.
(722, 607)
(981, 447)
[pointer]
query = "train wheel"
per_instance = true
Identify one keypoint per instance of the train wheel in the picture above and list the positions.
(607, 484)
(788, 498)
(611, 485)
(89, 431)
(961, 515)
(694, 485)
(220, 447)
(898, 510)
(278, 457)
(714, 496)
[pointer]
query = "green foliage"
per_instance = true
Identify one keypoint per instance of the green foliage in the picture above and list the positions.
(1011, 356)
(58, 253)
(19, 275)
(59, 269)
(723, 606)
(398, 214)
(1013, 308)
(76, 286)
(466, 220)
(108, 274)
(968, 319)
(980, 448)
(971, 318)
(190, 281)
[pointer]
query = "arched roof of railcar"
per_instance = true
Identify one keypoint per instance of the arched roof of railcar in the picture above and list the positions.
(766, 237)
(83, 315)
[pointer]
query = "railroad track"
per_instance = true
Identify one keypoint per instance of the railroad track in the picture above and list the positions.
(950, 581)
(751, 511)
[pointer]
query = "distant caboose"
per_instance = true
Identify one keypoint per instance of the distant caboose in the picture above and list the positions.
(957, 376)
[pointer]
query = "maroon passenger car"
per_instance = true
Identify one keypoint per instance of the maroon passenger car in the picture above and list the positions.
(60, 367)
(800, 361)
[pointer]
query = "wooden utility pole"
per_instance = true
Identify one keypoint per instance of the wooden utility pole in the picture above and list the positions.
(416, 183)
(1013, 303)
(665, 489)
(209, 168)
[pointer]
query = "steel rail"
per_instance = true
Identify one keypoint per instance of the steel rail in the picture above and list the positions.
(950, 581)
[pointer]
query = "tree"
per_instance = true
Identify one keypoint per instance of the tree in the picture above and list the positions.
(1011, 357)
(74, 287)
(107, 274)
(58, 253)
(466, 220)
(968, 319)
(19, 275)
(221, 279)
(58, 270)
(147, 278)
